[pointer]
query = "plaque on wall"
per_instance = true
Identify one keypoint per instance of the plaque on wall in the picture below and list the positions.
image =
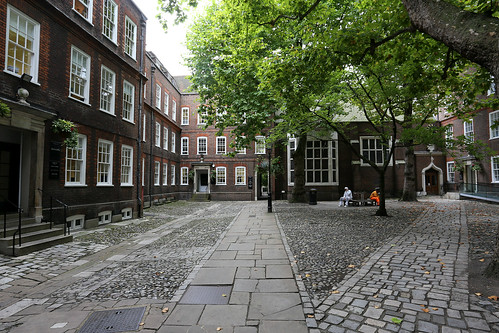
(55, 160)
(250, 183)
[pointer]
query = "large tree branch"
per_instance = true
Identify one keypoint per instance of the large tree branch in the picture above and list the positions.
(474, 36)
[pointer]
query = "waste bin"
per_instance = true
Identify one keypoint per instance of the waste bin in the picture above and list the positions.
(312, 196)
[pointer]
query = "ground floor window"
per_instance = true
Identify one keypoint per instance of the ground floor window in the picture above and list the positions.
(494, 166)
(105, 217)
(240, 175)
(184, 176)
(221, 176)
(451, 172)
(126, 213)
(76, 221)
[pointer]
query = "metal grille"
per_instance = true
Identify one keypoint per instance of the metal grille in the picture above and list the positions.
(112, 321)
(206, 295)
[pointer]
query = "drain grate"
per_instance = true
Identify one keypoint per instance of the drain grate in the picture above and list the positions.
(112, 321)
(206, 295)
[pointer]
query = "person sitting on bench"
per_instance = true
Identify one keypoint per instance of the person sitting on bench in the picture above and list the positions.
(375, 196)
(347, 196)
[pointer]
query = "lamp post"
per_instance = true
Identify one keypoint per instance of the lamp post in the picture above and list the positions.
(269, 190)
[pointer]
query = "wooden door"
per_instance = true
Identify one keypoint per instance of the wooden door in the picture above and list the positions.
(432, 184)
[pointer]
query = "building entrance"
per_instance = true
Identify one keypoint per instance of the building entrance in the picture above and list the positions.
(9, 175)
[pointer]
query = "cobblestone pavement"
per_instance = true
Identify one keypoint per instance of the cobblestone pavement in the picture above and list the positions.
(357, 272)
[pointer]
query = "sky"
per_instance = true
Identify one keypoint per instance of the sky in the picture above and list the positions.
(168, 47)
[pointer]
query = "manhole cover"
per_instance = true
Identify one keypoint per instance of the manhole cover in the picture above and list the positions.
(111, 321)
(206, 295)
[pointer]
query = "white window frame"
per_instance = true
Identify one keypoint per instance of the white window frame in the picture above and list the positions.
(126, 213)
(110, 22)
(128, 102)
(165, 173)
(157, 135)
(184, 145)
(88, 6)
(158, 96)
(76, 222)
(221, 145)
(185, 116)
(221, 176)
(260, 147)
(449, 134)
(205, 139)
(494, 168)
(451, 172)
(156, 173)
(468, 129)
(34, 51)
(317, 156)
(494, 117)
(126, 165)
(292, 143)
(172, 174)
(107, 89)
(174, 110)
(201, 117)
(105, 217)
(144, 119)
(237, 175)
(184, 176)
(79, 161)
(166, 103)
(174, 137)
(165, 138)
(241, 151)
(130, 38)
(143, 171)
(369, 149)
(104, 163)
(79, 75)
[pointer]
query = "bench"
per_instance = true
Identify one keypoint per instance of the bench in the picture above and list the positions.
(361, 199)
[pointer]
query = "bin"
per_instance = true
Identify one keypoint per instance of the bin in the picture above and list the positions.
(312, 196)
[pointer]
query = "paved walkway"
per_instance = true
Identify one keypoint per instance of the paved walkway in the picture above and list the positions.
(248, 283)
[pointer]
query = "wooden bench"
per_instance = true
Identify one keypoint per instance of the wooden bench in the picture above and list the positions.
(361, 199)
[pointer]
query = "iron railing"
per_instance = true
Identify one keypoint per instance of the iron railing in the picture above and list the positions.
(19, 210)
(483, 190)
(65, 207)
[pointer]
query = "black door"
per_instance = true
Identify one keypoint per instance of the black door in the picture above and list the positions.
(9, 175)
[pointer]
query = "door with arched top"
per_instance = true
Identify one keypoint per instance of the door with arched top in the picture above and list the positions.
(432, 185)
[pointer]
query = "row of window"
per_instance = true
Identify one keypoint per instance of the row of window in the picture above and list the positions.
(494, 170)
(166, 104)
(468, 128)
(221, 146)
(110, 23)
(76, 164)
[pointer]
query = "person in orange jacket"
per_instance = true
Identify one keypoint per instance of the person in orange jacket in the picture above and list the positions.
(375, 196)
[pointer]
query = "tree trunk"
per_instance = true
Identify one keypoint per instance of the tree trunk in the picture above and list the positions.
(409, 192)
(382, 206)
(474, 36)
(299, 193)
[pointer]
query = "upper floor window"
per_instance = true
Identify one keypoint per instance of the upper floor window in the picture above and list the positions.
(158, 96)
(80, 75)
(107, 82)
(157, 141)
(221, 176)
(184, 146)
(23, 43)
(76, 162)
(126, 165)
(449, 134)
(451, 172)
(84, 8)
(110, 19)
(372, 149)
(165, 138)
(130, 37)
(105, 163)
(494, 168)
(174, 136)
(144, 119)
(202, 118)
(221, 145)
(468, 129)
(156, 173)
(174, 110)
(240, 175)
(184, 176)
(260, 145)
(172, 173)
(165, 173)
(202, 145)
(185, 116)
(128, 101)
(166, 103)
(494, 124)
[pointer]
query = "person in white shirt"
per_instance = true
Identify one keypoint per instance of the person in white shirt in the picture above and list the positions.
(347, 196)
